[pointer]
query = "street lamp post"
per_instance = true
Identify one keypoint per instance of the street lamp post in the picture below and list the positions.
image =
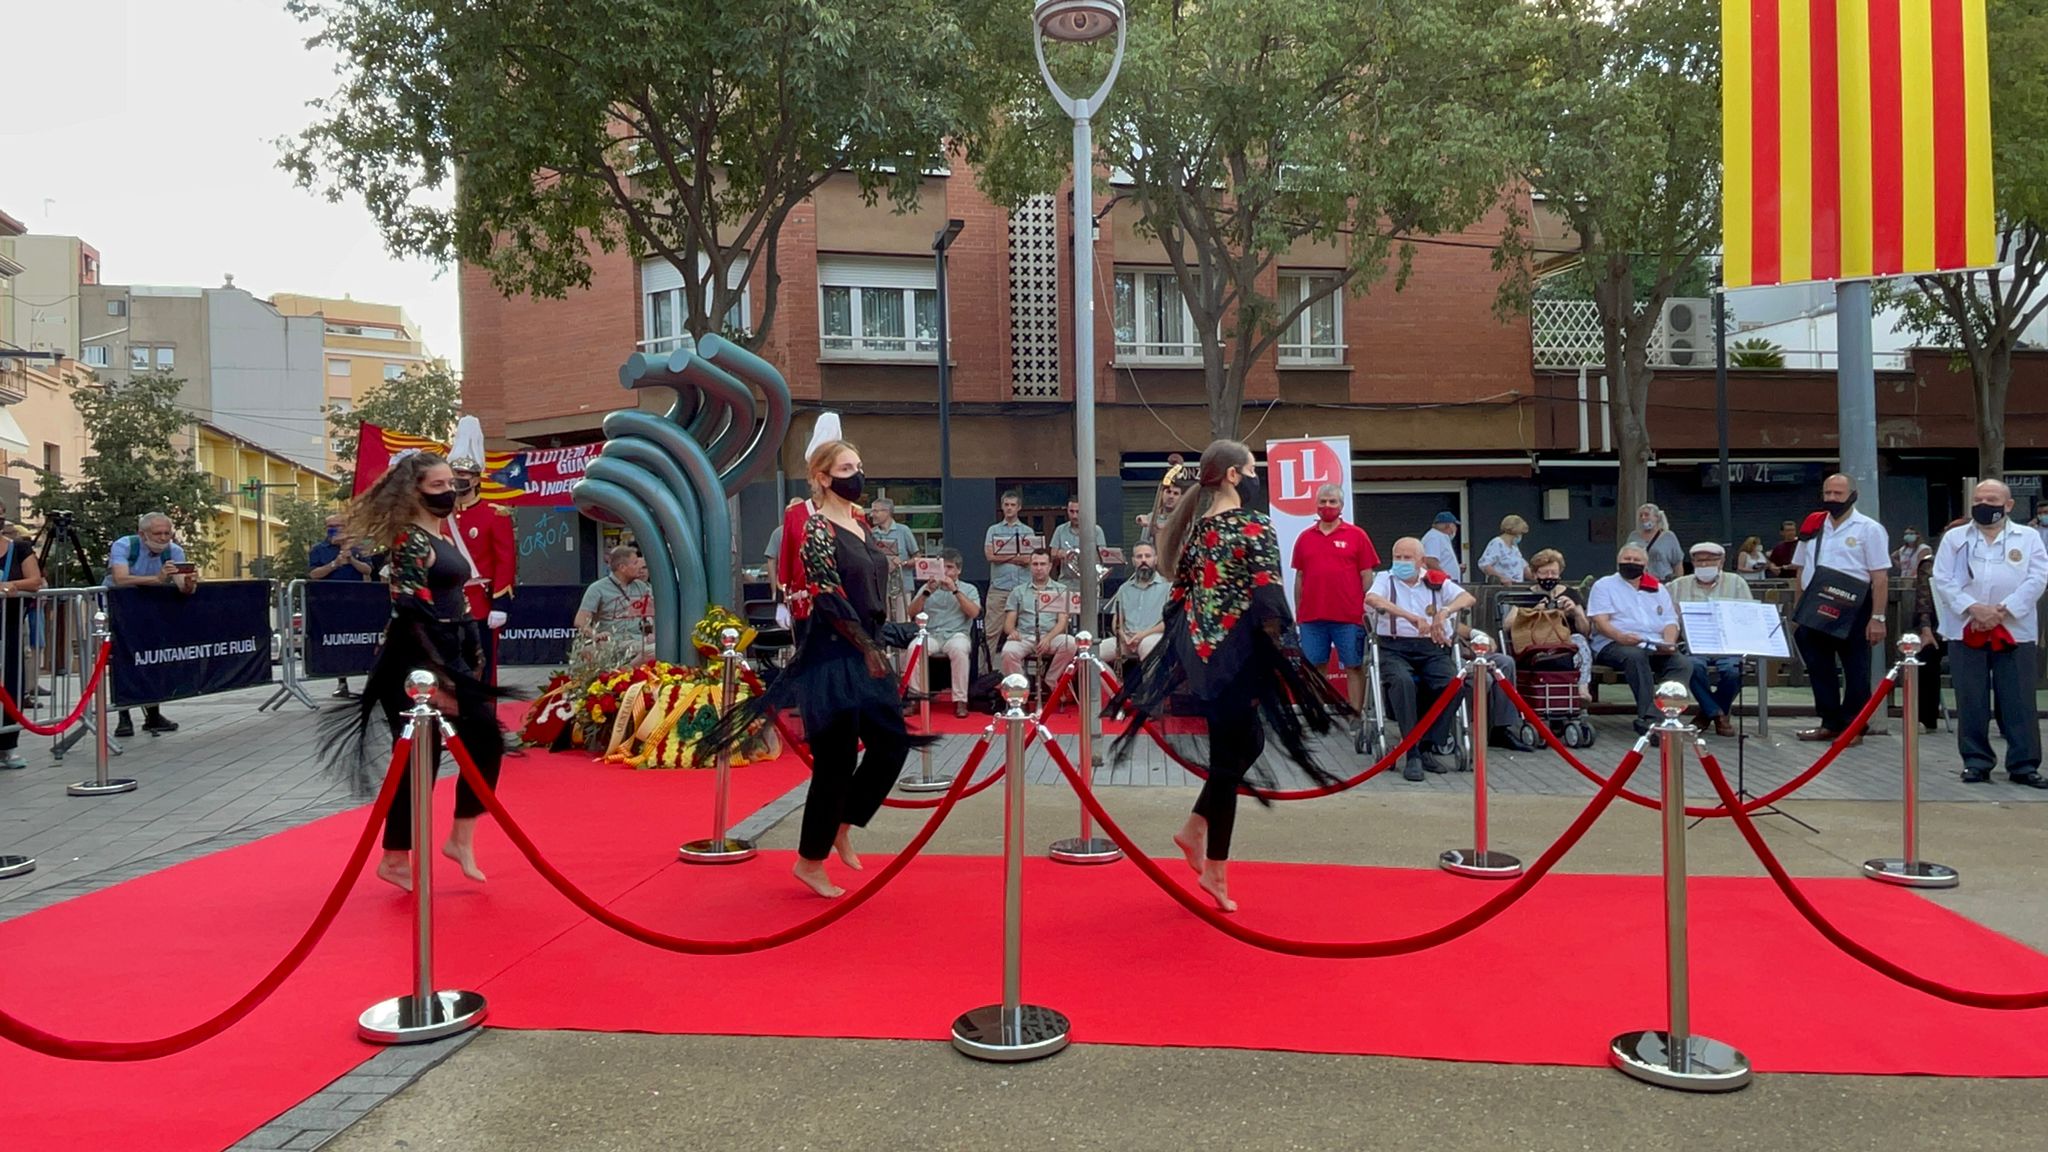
(941, 241)
(1082, 22)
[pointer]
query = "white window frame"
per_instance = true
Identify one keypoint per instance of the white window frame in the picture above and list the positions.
(96, 356)
(861, 277)
(1297, 345)
(166, 356)
(659, 280)
(138, 357)
(393, 372)
(1146, 348)
(347, 366)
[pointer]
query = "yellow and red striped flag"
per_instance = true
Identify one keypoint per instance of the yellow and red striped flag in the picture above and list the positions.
(1855, 139)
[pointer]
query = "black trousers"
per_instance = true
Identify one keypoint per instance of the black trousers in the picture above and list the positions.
(1236, 737)
(15, 632)
(1643, 669)
(848, 787)
(1414, 669)
(478, 729)
(1930, 685)
(1839, 670)
(1980, 674)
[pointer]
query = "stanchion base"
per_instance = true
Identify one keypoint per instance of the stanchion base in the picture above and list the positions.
(1037, 1032)
(1093, 850)
(726, 851)
(95, 788)
(920, 784)
(16, 866)
(1482, 865)
(1710, 1065)
(404, 1020)
(1918, 874)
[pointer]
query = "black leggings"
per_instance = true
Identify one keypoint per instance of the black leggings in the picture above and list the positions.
(842, 791)
(478, 728)
(1236, 737)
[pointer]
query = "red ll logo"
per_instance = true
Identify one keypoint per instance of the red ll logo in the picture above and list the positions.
(1299, 467)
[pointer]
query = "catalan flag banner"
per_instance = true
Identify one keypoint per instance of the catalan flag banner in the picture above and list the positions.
(531, 478)
(1855, 139)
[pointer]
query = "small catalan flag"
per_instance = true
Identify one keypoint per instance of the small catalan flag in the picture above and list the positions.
(1855, 139)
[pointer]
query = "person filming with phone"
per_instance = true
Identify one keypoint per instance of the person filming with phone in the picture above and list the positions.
(150, 559)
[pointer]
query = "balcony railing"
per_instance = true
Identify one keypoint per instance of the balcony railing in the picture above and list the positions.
(1566, 334)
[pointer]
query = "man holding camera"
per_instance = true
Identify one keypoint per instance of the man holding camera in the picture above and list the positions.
(150, 558)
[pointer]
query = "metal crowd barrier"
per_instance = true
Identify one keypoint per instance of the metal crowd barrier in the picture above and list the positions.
(290, 626)
(69, 644)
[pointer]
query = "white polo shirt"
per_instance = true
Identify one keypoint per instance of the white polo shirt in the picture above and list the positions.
(1858, 546)
(1444, 550)
(2010, 568)
(1631, 609)
(1418, 598)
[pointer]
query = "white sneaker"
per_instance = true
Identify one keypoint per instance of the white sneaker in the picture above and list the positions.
(12, 761)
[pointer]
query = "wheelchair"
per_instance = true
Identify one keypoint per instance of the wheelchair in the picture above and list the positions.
(1374, 738)
(1548, 678)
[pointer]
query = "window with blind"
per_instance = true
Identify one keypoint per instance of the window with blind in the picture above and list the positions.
(1317, 335)
(665, 315)
(878, 308)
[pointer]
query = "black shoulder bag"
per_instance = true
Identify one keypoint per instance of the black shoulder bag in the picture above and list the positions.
(1833, 599)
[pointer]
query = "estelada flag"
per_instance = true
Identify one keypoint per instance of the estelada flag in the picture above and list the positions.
(534, 477)
(1855, 139)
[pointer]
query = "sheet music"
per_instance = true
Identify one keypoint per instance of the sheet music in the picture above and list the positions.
(1734, 628)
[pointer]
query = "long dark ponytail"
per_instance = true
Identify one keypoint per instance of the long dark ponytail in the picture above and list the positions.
(1217, 461)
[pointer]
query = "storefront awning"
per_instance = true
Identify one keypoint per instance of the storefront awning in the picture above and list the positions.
(12, 438)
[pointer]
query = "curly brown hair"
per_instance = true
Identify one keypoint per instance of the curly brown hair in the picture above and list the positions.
(383, 512)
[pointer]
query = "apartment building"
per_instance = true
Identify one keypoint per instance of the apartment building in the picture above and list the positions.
(251, 480)
(40, 427)
(365, 346)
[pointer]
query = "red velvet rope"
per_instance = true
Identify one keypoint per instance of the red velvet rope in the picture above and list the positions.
(684, 944)
(110, 1051)
(1408, 740)
(1758, 804)
(2005, 1001)
(910, 668)
(85, 695)
(1355, 950)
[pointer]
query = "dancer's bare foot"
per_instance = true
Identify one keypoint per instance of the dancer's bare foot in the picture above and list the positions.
(395, 869)
(1193, 842)
(844, 844)
(465, 856)
(812, 873)
(1216, 882)
(461, 847)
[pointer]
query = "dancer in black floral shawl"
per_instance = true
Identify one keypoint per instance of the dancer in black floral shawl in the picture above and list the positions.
(1225, 622)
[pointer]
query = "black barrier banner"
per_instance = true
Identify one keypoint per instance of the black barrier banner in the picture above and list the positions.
(168, 645)
(344, 623)
(540, 623)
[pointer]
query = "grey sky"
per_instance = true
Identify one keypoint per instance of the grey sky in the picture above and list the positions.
(147, 128)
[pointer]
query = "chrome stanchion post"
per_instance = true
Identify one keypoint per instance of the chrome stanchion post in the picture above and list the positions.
(1674, 1057)
(924, 781)
(425, 1013)
(1478, 861)
(1087, 848)
(1908, 870)
(100, 784)
(721, 848)
(1012, 1030)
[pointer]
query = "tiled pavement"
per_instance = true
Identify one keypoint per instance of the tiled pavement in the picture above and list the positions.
(231, 775)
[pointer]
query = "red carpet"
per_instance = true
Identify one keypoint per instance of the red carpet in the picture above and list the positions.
(1549, 982)
(154, 955)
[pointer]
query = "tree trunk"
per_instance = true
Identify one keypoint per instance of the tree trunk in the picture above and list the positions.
(1225, 389)
(1630, 388)
(1993, 380)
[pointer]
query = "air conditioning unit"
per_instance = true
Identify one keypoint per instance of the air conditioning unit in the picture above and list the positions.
(1688, 333)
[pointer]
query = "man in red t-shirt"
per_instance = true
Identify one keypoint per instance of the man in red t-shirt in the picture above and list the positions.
(1333, 564)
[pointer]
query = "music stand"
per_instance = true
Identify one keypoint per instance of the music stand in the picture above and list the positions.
(1717, 618)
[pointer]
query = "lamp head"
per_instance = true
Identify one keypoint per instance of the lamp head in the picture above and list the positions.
(1672, 699)
(1078, 21)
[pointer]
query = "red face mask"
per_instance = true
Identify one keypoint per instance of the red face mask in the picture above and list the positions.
(1329, 514)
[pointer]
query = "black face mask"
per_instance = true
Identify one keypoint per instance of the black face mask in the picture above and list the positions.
(849, 487)
(1987, 514)
(1546, 582)
(1249, 490)
(1837, 507)
(1629, 571)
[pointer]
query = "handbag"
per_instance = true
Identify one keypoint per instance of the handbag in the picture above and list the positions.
(1538, 627)
(1832, 602)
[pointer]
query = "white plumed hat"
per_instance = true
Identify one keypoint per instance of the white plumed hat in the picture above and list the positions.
(466, 450)
(825, 431)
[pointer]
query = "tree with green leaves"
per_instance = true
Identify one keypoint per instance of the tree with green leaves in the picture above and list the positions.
(426, 401)
(1248, 128)
(305, 525)
(1983, 316)
(684, 131)
(135, 466)
(1629, 153)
